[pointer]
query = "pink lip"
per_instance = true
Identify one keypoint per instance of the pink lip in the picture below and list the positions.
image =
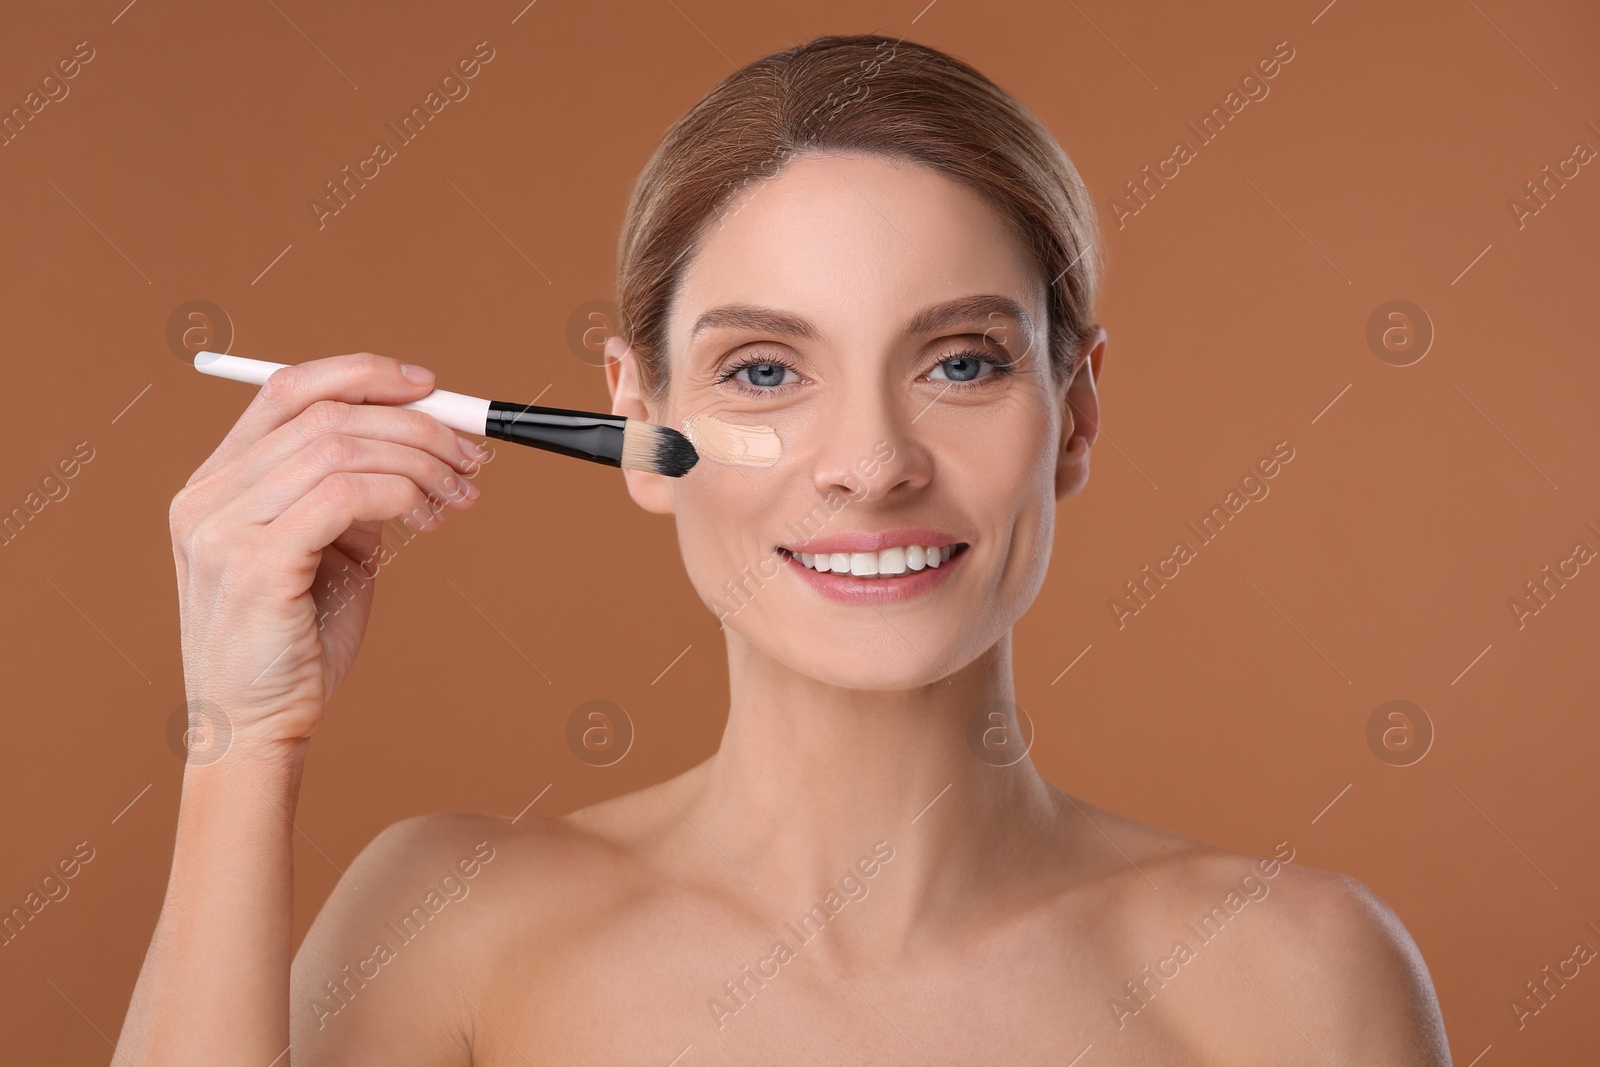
(872, 541)
(848, 589)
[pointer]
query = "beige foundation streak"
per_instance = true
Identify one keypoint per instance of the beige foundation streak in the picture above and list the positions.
(726, 442)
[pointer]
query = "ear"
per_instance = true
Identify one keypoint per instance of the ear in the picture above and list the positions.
(650, 491)
(1080, 422)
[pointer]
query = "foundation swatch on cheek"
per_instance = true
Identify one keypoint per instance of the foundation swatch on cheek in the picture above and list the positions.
(732, 444)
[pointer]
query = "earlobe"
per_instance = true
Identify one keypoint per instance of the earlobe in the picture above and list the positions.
(653, 492)
(1072, 467)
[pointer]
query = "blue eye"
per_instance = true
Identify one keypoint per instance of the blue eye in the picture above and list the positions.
(767, 374)
(970, 367)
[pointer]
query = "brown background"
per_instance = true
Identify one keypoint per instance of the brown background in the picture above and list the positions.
(1234, 707)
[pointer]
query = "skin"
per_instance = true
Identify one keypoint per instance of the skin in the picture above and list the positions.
(1001, 917)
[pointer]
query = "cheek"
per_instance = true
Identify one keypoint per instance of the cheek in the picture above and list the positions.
(1000, 458)
(1003, 472)
(722, 515)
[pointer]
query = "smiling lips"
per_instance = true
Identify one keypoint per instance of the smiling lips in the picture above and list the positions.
(886, 563)
(882, 577)
(835, 565)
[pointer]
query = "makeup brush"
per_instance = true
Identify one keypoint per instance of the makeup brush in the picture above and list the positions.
(590, 435)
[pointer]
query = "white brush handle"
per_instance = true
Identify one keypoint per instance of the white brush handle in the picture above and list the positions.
(469, 414)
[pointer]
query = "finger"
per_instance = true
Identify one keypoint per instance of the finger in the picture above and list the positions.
(316, 520)
(272, 495)
(415, 429)
(357, 378)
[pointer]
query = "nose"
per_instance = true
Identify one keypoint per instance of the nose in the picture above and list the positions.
(868, 446)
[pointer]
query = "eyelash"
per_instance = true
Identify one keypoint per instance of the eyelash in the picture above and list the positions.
(729, 376)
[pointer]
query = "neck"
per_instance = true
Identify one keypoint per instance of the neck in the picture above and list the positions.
(810, 777)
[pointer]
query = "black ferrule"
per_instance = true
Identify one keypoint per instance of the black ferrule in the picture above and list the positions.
(581, 434)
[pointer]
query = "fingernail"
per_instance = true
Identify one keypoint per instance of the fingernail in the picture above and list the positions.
(472, 448)
(415, 373)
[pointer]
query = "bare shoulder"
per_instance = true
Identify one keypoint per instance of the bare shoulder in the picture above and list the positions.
(518, 871)
(407, 940)
(1289, 962)
(370, 981)
(1335, 955)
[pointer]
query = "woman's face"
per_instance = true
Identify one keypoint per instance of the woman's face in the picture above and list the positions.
(889, 327)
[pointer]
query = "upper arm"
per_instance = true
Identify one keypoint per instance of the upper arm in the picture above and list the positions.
(379, 976)
(1386, 1001)
(1342, 968)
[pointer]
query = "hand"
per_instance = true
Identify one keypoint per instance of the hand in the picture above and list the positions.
(270, 534)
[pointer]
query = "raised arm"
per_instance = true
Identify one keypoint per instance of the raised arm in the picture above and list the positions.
(274, 542)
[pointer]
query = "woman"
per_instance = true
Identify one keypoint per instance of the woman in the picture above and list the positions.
(868, 247)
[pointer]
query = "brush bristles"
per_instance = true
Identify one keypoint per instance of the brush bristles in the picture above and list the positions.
(656, 449)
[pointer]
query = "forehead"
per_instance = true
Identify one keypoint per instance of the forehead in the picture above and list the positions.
(857, 244)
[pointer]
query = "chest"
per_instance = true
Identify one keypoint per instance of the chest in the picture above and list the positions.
(674, 989)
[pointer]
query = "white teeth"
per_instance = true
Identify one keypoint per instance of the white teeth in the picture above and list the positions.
(890, 562)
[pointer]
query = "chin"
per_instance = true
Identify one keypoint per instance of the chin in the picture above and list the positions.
(908, 671)
(873, 652)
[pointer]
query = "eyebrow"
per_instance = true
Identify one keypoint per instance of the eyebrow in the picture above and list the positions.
(936, 317)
